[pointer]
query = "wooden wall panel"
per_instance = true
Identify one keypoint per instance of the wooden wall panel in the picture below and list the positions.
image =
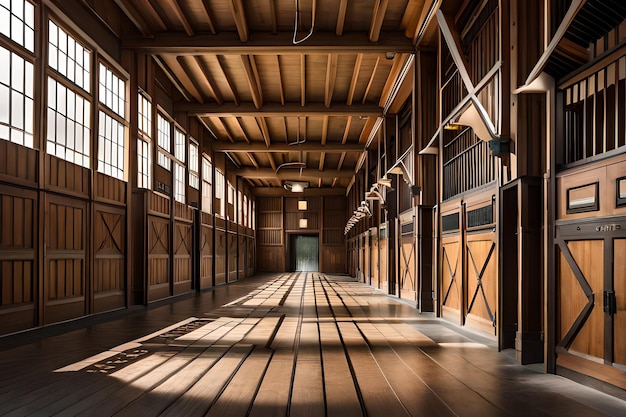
(18, 164)
(65, 263)
(206, 257)
(333, 259)
(109, 267)
(109, 189)
(619, 284)
(183, 239)
(18, 228)
(66, 177)
(158, 257)
(241, 256)
(220, 256)
(270, 258)
(232, 256)
(374, 257)
(250, 258)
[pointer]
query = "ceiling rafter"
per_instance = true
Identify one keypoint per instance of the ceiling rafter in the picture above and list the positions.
(273, 16)
(225, 43)
(253, 160)
(180, 72)
(322, 158)
(355, 78)
(154, 14)
(135, 17)
(229, 81)
(271, 159)
(396, 69)
(205, 71)
(251, 72)
(280, 81)
(264, 130)
(243, 131)
(220, 124)
(287, 174)
(341, 17)
(331, 78)
(206, 8)
(380, 9)
(346, 132)
(180, 14)
(191, 70)
(325, 129)
(276, 110)
(285, 130)
(239, 15)
(308, 146)
(371, 81)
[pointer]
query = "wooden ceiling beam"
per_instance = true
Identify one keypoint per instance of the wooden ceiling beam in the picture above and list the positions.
(346, 132)
(325, 129)
(292, 174)
(146, 5)
(191, 74)
(243, 132)
(135, 17)
(280, 81)
(355, 78)
(273, 16)
(180, 15)
(371, 81)
(322, 159)
(284, 147)
(206, 7)
(220, 123)
(268, 44)
(229, 81)
(253, 81)
(205, 71)
(331, 77)
(239, 15)
(253, 160)
(378, 16)
(341, 17)
(276, 110)
(271, 159)
(264, 131)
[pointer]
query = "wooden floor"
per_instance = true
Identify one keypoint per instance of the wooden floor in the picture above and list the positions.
(301, 344)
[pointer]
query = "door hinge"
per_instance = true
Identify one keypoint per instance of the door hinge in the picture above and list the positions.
(610, 303)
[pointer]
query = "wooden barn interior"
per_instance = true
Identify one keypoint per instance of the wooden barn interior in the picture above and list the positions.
(466, 158)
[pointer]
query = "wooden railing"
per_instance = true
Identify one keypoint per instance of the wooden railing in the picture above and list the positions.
(467, 164)
(594, 111)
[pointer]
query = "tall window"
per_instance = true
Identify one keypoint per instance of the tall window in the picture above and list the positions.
(179, 182)
(220, 193)
(69, 104)
(144, 141)
(245, 211)
(194, 178)
(164, 135)
(231, 202)
(207, 184)
(16, 96)
(112, 125)
(179, 165)
(17, 22)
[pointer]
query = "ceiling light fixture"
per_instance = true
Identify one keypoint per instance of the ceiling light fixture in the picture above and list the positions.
(295, 186)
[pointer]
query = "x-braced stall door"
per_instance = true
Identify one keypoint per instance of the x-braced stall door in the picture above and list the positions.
(591, 291)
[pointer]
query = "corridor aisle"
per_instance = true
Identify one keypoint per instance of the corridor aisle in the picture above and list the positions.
(293, 344)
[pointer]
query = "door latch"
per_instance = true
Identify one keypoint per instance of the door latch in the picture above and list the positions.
(610, 303)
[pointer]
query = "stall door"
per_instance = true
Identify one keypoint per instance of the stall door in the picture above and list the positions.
(408, 276)
(591, 282)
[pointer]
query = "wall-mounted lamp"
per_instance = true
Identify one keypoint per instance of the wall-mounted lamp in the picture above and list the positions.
(302, 205)
(303, 223)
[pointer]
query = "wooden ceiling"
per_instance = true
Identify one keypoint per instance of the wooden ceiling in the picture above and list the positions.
(284, 107)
